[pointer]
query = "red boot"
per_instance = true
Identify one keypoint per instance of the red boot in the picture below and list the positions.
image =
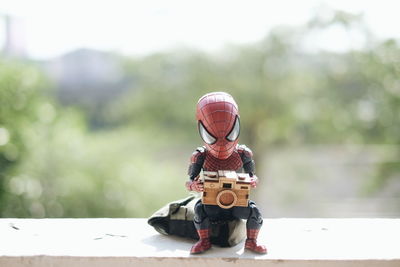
(251, 242)
(203, 244)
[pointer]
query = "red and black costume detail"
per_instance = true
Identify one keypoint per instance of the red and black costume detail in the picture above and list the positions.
(218, 122)
(241, 160)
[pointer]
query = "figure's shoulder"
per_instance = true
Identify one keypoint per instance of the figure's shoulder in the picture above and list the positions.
(244, 151)
(199, 154)
(201, 149)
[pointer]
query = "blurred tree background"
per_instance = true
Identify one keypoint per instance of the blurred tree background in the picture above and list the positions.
(96, 134)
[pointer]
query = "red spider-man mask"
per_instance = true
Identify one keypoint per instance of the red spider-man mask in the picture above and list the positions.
(218, 118)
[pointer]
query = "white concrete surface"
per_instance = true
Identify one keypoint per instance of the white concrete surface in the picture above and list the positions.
(131, 242)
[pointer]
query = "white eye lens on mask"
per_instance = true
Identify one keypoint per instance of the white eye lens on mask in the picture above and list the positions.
(234, 133)
(205, 135)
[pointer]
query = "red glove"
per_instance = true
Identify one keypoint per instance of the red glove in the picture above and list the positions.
(254, 181)
(195, 185)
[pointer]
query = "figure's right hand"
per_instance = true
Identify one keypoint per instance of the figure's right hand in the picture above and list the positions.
(195, 185)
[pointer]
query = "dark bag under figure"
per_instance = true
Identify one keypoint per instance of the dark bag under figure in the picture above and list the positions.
(176, 218)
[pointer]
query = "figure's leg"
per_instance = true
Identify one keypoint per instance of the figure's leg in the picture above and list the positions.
(253, 225)
(202, 224)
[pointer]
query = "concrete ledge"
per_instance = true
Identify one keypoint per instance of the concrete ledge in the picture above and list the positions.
(131, 242)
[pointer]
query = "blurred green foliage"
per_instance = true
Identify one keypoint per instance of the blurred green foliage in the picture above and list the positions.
(52, 164)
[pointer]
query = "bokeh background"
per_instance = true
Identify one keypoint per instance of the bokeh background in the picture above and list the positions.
(97, 103)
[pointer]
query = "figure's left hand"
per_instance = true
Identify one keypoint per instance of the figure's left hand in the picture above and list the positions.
(254, 181)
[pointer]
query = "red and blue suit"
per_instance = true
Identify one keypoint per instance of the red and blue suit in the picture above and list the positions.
(219, 126)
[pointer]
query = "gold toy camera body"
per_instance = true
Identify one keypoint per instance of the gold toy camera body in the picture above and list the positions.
(226, 189)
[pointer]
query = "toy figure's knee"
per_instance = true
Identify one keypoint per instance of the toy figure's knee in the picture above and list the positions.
(201, 220)
(241, 212)
(255, 219)
(199, 213)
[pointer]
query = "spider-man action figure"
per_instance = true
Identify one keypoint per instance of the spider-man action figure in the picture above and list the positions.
(219, 126)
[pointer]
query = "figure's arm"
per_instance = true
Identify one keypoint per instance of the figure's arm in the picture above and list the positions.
(196, 164)
(249, 165)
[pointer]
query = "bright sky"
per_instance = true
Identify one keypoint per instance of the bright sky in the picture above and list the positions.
(53, 27)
